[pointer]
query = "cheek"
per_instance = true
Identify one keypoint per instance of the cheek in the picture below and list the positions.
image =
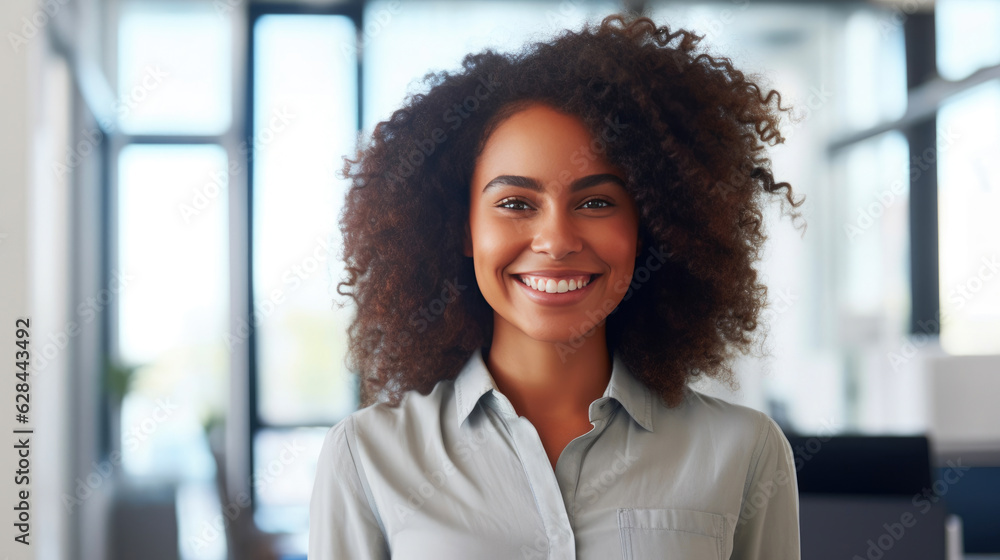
(620, 243)
(492, 249)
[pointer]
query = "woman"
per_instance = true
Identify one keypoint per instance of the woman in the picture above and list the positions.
(544, 249)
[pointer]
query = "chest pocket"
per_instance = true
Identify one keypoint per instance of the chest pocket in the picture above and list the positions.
(670, 533)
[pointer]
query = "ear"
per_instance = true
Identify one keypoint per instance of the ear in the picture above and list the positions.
(467, 241)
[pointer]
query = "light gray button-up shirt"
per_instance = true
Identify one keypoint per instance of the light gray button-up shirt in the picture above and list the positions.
(457, 474)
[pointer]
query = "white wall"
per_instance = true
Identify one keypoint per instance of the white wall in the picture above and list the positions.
(35, 112)
(962, 403)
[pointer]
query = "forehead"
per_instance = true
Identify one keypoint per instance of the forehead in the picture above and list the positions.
(541, 141)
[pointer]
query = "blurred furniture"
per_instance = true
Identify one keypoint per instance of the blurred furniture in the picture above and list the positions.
(964, 422)
(868, 497)
(962, 403)
(143, 522)
(976, 499)
(244, 541)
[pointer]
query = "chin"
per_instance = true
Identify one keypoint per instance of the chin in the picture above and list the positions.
(571, 336)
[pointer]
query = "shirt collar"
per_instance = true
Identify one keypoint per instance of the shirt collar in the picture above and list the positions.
(475, 380)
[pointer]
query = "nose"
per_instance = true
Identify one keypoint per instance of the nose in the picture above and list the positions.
(556, 235)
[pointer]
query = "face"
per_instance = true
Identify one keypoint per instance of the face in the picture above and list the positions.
(547, 208)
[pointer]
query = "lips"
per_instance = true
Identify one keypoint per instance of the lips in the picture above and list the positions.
(551, 283)
(556, 273)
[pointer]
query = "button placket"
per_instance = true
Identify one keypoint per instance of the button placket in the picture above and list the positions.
(569, 471)
(544, 486)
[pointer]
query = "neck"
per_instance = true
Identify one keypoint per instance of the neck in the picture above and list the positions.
(549, 379)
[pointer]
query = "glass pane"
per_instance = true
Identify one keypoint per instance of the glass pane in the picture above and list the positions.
(969, 232)
(305, 116)
(284, 470)
(405, 40)
(873, 272)
(968, 36)
(873, 84)
(174, 68)
(749, 33)
(174, 304)
(871, 278)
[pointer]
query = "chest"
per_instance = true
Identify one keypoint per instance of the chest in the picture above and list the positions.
(555, 434)
(617, 496)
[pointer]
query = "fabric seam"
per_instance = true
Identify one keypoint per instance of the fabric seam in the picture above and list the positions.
(755, 459)
(363, 477)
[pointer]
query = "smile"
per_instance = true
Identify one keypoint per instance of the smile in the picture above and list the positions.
(555, 285)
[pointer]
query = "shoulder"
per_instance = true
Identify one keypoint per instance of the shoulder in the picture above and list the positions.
(743, 428)
(415, 413)
(720, 413)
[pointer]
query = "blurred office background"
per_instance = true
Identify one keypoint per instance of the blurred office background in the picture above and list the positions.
(171, 175)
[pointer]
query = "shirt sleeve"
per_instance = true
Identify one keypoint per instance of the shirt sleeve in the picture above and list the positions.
(342, 523)
(768, 525)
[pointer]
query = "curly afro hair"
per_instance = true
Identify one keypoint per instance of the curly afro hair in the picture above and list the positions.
(689, 129)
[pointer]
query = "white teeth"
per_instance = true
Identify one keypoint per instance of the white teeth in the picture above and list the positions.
(552, 286)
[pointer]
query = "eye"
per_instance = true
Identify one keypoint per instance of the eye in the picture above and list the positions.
(512, 204)
(603, 203)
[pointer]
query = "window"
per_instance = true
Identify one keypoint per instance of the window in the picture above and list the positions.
(305, 107)
(968, 197)
(171, 145)
(917, 255)
(229, 173)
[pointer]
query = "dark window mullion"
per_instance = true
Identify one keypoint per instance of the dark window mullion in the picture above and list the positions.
(921, 67)
(354, 10)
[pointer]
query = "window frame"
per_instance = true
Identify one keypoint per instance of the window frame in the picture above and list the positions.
(927, 93)
(245, 430)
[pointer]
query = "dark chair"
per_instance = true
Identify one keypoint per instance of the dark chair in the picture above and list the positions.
(868, 498)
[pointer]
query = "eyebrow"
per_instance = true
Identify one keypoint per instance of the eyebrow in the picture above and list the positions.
(577, 185)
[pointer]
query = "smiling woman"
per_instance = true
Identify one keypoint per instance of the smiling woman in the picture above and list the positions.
(549, 246)
(601, 203)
